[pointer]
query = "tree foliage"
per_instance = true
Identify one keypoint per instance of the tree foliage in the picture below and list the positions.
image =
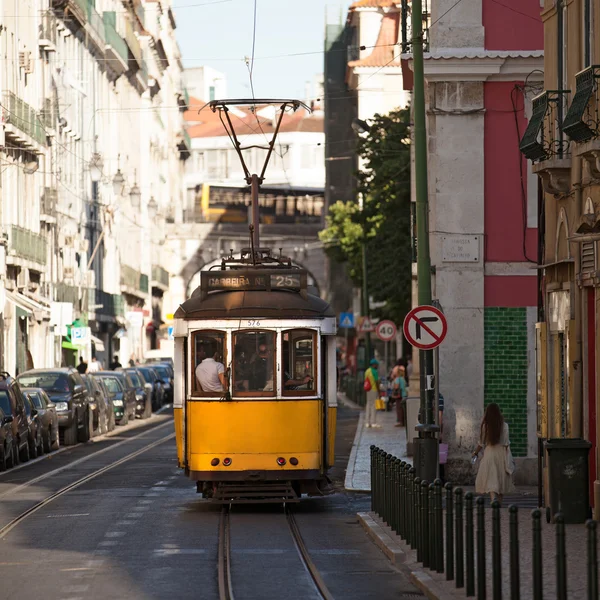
(383, 223)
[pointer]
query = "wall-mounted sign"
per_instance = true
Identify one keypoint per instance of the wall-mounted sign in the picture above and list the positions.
(460, 248)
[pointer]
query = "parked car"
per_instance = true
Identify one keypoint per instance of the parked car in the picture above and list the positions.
(47, 417)
(36, 443)
(67, 391)
(165, 372)
(98, 404)
(19, 423)
(158, 393)
(143, 393)
(7, 445)
(110, 409)
(123, 395)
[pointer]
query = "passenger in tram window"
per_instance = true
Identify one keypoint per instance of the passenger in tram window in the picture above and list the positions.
(289, 381)
(262, 369)
(241, 369)
(210, 374)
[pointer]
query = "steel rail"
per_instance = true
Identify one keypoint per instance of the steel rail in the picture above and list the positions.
(305, 556)
(224, 551)
(79, 461)
(10, 526)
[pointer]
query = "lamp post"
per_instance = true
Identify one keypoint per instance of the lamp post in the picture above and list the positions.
(96, 164)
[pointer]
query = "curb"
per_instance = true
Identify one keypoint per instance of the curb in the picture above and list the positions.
(376, 530)
(348, 482)
(403, 557)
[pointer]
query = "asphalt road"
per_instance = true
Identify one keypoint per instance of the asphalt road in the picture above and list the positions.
(139, 531)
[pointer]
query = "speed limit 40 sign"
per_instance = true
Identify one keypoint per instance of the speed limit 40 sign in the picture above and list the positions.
(386, 331)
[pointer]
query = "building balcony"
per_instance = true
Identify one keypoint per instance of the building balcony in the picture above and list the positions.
(133, 282)
(545, 144)
(22, 122)
(48, 32)
(117, 53)
(79, 298)
(95, 25)
(27, 245)
(160, 278)
(134, 44)
(78, 8)
(48, 205)
(582, 123)
(107, 307)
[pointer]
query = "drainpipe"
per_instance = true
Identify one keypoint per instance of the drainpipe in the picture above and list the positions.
(576, 402)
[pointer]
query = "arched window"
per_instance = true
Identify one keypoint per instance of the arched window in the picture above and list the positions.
(209, 360)
(299, 362)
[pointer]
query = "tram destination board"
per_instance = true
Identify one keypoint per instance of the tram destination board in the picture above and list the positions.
(255, 280)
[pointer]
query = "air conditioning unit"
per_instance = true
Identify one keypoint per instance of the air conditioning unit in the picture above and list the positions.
(68, 272)
(26, 61)
(23, 279)
(68, 241)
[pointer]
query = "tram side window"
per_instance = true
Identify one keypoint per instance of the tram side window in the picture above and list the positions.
(208, 360)
(299, 368)
(253, 363)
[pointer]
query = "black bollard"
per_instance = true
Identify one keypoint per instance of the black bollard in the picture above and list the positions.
(398, 496)
(373, 485)
(432, 531)
(402, 506)
(561, 558)
(496, 552)
(515, 583)
(449, 532)
(393, 493)
(375, 475)
(439, 527)
(460, 536)
(592, 560)
(410, 507)
(417, 518)
(481, 579)
(424, 524)
(536, 517)
(384, 465)
(470, 543)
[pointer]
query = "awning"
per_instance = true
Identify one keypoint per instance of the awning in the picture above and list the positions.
(26, 303)
(69, 346)
(98, 343)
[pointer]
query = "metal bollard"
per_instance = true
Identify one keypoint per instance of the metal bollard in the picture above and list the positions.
(424, 524)
(439, 527)
(470, 543)
(536, 516)
(460, 537)
(481, 579)
(515, 583)
(398, 496)
(402, 506)
(373, 484)
(496, 552)
(393, 492)
(384, 487)
(592, 560)
(375, 492)
(561, 558)
(417, 518)
(449, 532)
(389, 488)
(431, 525)
(410, 507)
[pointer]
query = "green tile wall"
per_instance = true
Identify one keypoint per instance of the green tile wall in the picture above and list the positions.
(506, 369)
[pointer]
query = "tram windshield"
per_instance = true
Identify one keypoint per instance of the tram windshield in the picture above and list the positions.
(299, 363)
(254, 363)
(208, 348)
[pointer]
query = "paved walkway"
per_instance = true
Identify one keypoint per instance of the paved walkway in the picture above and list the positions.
(390, 438)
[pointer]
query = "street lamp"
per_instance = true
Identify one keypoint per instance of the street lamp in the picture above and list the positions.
(152, 207)
(96, 165)
(118, 181)
(134, 194)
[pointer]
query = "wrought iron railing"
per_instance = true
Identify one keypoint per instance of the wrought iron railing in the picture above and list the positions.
(23, 116)
(49, 114)
(582, 122)
(28, 245)
(160, 275)
(96, 22)
(110, 305)
(113, 39)
(544, 137)
(130, 277)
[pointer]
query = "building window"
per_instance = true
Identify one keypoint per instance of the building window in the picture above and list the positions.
(211, 93)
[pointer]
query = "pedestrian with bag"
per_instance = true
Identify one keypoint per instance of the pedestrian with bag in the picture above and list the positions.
(497, 465)
(371, 386)
(399, 394)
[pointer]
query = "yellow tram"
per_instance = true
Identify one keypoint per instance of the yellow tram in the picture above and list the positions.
(268, 433)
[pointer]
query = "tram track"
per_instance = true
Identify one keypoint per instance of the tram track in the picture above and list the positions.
(226, 590)
(6, 529)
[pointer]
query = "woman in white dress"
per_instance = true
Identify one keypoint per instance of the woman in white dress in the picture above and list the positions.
(495, 471)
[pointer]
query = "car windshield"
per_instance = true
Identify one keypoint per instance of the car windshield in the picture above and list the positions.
(5, 403)
(135, 380)
(35, 399)
(51, 382)
(27, 404)
(113, 385)
(149, 374)
(162, 372)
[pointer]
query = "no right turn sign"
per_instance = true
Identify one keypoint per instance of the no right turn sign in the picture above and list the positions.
(425, 327)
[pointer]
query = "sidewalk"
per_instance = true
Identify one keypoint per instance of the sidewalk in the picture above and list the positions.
(390, 438)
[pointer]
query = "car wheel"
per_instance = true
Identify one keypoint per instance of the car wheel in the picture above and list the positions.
(71, 434)
(24, 454)
(32, 448)
(56, 440)
(88, 424)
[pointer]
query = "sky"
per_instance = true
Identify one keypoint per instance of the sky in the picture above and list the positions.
(218, 34)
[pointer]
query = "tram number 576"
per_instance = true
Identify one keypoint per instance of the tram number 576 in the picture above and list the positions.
(253, 324)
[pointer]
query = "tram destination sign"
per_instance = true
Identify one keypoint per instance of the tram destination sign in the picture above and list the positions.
(253, 280)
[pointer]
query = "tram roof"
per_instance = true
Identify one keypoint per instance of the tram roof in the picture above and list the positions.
(277, 304)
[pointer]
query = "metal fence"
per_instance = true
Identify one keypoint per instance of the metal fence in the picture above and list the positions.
(453, 541)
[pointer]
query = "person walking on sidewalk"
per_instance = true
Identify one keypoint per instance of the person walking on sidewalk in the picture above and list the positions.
(372, 389)
(495, 471)
(399, 394)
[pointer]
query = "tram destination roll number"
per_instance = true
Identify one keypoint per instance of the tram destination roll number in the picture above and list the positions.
(253, 280)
